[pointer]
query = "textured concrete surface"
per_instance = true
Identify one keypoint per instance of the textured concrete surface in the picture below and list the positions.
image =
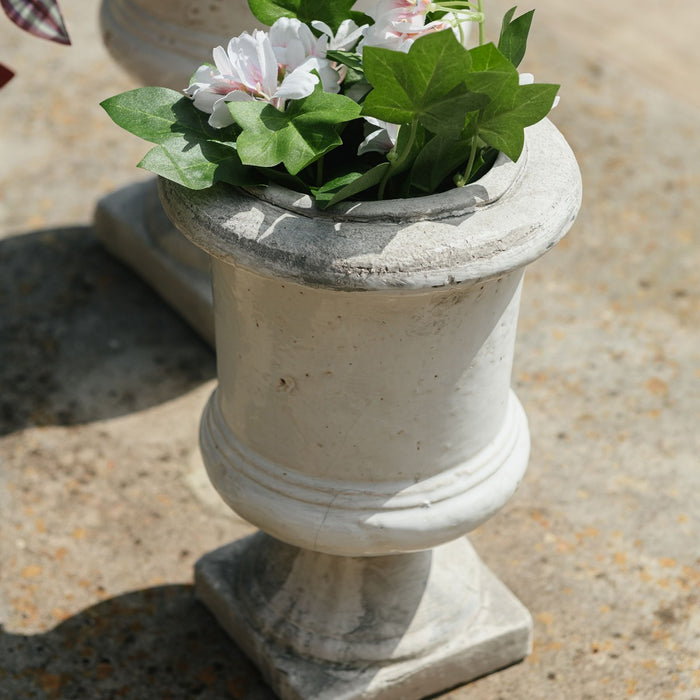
(103, 508)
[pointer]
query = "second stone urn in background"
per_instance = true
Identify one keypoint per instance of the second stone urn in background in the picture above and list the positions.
(163, 43)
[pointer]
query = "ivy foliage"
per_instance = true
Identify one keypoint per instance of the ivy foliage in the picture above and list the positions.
(455, 109)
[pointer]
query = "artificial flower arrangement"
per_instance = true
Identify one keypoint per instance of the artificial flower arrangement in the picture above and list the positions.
(344, 105)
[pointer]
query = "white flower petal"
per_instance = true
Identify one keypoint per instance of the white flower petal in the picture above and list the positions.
(297, 84)
(293, 42)
(205, 99)
(345, 38)
(220, 116)
(375, 141)
(222, 61)
(329, 76)
(204, 74)
(323, 27)
(348, 35)
(296, 54)
(380, 140)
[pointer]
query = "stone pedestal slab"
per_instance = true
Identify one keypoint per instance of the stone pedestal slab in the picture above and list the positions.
(132, 226)
(400, 627)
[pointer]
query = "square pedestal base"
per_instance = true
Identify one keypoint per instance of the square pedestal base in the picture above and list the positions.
(123, 223)
(498, 635)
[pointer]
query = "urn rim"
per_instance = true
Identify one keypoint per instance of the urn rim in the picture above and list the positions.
(454, 202)
(466, 235)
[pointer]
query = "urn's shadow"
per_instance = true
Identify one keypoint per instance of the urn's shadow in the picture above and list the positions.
(81, 338)
(152, 643)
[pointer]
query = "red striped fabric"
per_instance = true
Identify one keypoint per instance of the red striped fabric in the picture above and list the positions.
(5, 75)
(39, 17)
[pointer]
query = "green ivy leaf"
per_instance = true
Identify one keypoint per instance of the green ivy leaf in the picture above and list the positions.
(348, 185)
(267, 11)
(353, 63)
(514, 32)
(188, 150)
(324, 194)
(332, 13)
(155, 113)
(491, 74)
(494, 75)
(512, 108)
(282, 177)
(426, 83)
(296, 137)
(504, 129)
(146, 112)
(347, 58)
(409, 143)
(360, 18)
(197, 165)
(437, 159)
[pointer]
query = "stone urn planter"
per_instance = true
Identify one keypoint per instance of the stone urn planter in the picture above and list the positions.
(364, 421)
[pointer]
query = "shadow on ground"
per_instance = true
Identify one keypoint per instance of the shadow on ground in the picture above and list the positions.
(83, 339)
(152, 643)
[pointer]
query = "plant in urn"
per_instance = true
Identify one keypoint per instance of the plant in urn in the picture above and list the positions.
(370, 191)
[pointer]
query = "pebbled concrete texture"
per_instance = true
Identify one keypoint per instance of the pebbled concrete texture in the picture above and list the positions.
(104, 506)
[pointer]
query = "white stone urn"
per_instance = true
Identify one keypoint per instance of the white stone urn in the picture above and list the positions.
(364, 421)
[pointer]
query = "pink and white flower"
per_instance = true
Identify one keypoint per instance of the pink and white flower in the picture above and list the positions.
(272, 67)
(398, 23)
(345, 38)
(406, 14)
(247, 70)
(297, 49)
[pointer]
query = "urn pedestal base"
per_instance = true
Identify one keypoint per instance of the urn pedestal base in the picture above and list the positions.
(399, 627)
(132, 226)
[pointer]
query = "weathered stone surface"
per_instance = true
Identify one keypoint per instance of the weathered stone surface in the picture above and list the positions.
(165, 44)
(131, 225)
(505, 221)
(322, 627)
(600, 541)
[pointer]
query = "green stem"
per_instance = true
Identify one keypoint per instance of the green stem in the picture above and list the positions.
(319, 171)
(482, 37)
(396, 164)
(455, 4)
(461, 180)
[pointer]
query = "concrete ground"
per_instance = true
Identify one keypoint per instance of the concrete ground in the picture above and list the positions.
(104, 505)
